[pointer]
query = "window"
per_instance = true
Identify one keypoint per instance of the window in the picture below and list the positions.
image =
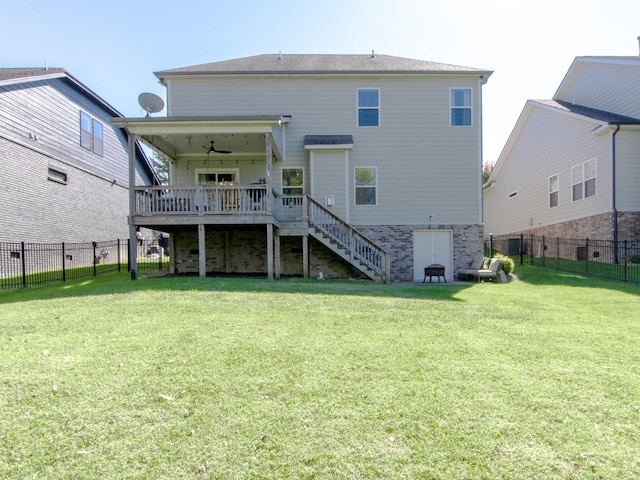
(365, 183)
(91, 133)
(368, 107)
(292, 181)
(57, 175)
(583, 180)
(554, 187)
(216, 177)
(460, 107)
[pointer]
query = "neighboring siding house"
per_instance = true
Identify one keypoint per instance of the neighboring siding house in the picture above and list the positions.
(65, 166)
(336, 166)
(571, 167)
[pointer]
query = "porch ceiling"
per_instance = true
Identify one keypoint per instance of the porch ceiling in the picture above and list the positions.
(191, 137)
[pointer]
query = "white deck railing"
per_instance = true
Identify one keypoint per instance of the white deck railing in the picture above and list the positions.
(222, 199)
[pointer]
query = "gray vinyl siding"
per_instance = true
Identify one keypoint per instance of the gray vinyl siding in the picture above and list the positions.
(40, 129)
(49, 111)
(548, 143)
(604, 86)
(425, 166)
(628, 169)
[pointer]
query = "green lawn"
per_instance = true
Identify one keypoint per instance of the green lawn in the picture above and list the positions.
(172, 378)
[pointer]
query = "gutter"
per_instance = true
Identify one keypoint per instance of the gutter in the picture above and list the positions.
(613, 192)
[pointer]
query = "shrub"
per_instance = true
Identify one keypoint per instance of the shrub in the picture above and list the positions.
(507, 263)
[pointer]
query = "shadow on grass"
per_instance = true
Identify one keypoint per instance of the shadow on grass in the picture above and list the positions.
(120, 283)
(536, 275)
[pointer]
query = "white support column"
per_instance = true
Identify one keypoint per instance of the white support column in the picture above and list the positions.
(202, 252)
(133, 239)
(270, 251)
(269, 155)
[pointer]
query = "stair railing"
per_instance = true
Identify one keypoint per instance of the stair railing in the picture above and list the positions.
(360, 248)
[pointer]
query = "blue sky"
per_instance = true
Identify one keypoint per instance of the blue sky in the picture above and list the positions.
(114, 46)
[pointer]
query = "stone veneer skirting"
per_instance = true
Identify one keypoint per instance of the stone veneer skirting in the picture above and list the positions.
(596, 227)
(242, 250)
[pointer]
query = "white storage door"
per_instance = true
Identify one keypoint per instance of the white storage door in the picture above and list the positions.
(429, 247)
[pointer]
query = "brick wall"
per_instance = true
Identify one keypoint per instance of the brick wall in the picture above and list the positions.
(35, 209)
(597, 227)
(398, 241)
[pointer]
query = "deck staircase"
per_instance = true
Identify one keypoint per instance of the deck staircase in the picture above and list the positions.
(346, 242)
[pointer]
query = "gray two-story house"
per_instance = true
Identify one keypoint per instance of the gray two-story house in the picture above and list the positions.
(65, 165)
(317, 165)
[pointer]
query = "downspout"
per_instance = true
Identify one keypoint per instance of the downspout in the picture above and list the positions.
(613, 194)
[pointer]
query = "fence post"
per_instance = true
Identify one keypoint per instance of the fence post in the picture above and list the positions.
(64, 265)
(557, 253)
(586, 256)
(24, 265)
(626, 260)
(532, 249)
(128, 256)
(118, 255)
(491, 245)
(544, 249)
(521, 249)
(95, 267)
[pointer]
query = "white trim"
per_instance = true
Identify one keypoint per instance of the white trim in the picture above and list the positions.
(292, 167)
(451, 106)
(379, 107)
(549, 192)
(343, 146)
(198, 171)
(355, 187)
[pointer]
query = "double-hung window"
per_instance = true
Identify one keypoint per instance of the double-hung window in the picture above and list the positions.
(554, 188)
(91, 133)
(583, 180)
(460, 107)
(368, 107)
(366, 185)
(292, 181)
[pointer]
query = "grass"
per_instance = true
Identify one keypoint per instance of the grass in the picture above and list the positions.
(237, 378)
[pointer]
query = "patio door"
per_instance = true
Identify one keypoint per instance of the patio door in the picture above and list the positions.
(429, 247)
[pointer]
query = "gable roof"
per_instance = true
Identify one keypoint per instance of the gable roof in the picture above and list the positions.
(593, 113)
(7, 75)
(321, 64)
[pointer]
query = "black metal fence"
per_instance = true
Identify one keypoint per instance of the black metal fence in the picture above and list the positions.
(24, 264)
(605, 259)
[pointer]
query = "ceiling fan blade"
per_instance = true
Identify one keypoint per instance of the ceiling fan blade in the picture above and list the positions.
(221, 151)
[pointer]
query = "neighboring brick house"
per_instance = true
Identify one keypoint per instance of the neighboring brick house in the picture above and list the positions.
(332, 165)
(65, 165)
(571, 167)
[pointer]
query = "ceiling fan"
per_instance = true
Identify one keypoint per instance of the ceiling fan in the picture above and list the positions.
(212, 148)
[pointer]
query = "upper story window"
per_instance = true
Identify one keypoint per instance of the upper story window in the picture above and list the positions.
(460, 107)
(292, 181)
(91, 133)
(366, 185)
(368, 107)
(554, 188)
(583, 180)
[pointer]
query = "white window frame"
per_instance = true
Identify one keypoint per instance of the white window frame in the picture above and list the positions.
(217, 171)
(579, 177)
(92, 137)
(368, 107)
(374, 186)
(283, 186)
(460, 107)
(556, 191)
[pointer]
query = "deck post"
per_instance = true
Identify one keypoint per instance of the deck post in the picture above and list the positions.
(276, 253)
(202, 253)
(305, 256)
(133, 239)
(268, 157)
(270, 251)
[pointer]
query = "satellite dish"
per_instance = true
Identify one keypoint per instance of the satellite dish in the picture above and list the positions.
(150, 102)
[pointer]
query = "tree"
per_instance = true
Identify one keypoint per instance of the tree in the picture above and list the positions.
(487, 168)
(161, 166)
